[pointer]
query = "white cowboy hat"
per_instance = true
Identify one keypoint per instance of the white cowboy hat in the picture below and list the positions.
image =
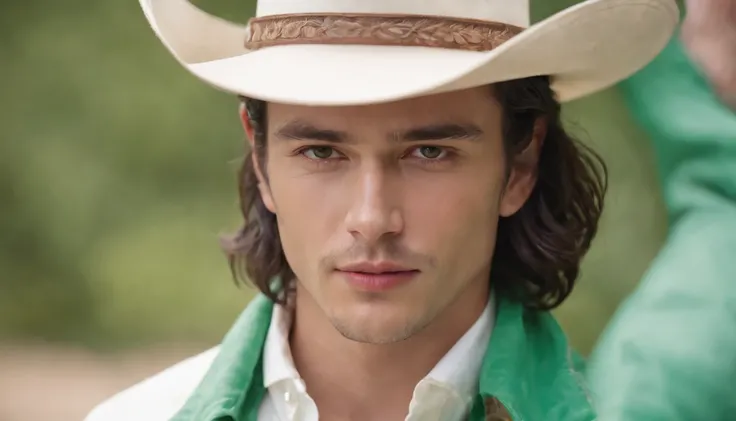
(351, 52)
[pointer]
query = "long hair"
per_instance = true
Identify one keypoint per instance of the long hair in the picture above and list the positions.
(539, 249)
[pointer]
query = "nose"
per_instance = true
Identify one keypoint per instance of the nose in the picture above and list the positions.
(373, 213)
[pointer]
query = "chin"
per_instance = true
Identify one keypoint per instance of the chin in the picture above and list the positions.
(373, 336)
(376, 323)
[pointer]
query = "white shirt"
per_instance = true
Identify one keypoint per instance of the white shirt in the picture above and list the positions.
(445, 394)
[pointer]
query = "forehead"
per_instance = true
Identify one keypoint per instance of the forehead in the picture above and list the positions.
(476, 105)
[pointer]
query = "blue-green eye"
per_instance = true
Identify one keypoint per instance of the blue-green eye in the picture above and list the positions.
(319, 152)
(430, 152)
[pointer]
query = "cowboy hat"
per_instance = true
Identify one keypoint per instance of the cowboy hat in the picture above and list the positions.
(352, 52)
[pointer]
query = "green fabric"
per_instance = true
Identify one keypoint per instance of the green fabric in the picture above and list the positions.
(225, 393)
(529, 368)
(670, 351)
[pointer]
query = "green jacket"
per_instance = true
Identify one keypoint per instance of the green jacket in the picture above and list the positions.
(670, 352)
(528, 374)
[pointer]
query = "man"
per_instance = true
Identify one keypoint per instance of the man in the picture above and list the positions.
(412, 205)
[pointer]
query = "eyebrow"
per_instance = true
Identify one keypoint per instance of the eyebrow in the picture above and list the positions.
(440, 132)
(302, 130)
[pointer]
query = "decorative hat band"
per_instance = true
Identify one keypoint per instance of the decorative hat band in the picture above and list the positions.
(373, 29)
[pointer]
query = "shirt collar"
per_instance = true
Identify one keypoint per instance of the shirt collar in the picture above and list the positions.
(458, 369)
(278, 363)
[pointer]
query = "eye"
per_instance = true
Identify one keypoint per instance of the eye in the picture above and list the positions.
(319, 152)
(429, 152)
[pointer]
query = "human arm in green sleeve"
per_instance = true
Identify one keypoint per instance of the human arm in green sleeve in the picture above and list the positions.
(670, 351)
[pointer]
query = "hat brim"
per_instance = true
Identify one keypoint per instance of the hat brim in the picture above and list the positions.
(585, 48)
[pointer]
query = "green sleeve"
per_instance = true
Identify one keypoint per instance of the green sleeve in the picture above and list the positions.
(670, 351)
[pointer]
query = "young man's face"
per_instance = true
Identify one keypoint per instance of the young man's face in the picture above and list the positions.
(387, 213)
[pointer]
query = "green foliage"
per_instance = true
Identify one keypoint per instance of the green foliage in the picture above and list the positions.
(117, 174)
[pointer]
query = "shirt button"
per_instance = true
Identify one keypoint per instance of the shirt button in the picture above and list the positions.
(287, 396)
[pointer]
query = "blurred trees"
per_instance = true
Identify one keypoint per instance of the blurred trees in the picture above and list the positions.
(117, 174)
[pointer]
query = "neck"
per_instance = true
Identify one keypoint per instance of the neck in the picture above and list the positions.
(346, 378)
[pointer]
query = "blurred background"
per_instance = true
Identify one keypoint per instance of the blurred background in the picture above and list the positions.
(118, 174)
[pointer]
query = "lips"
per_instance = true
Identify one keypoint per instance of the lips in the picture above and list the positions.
(375, 268)
(376, 277)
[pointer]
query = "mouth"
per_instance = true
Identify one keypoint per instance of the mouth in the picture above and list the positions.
(376, 277)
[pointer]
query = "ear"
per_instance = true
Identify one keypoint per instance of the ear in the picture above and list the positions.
(263, 186)
(524, 169)
(247, 125)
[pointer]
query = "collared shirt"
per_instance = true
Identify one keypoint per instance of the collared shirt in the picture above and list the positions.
(446, 393)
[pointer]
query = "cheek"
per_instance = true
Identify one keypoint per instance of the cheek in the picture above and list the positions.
(455, 217)
(308, 213)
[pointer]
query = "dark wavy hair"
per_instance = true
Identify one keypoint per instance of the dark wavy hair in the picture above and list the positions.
(539, 249)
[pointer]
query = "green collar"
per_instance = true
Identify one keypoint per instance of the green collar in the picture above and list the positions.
(529, 372)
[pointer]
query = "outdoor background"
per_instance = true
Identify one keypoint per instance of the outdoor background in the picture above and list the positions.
(117, 174)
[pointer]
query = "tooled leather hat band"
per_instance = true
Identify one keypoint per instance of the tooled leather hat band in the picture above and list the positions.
(374, 29)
